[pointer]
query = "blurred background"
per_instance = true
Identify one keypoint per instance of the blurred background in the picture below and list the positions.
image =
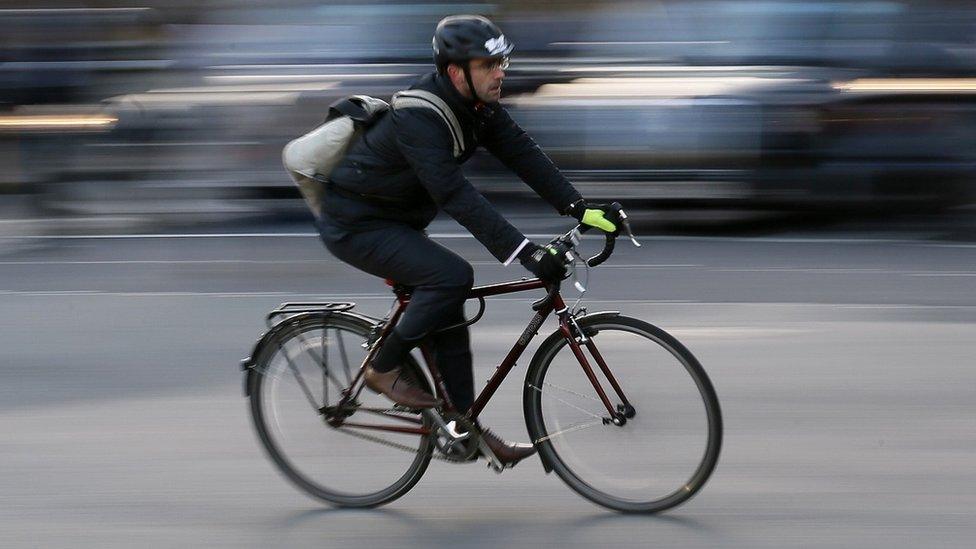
(175, 111)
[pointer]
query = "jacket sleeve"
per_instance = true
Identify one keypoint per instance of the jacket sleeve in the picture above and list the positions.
(426, 143)
(509, 143)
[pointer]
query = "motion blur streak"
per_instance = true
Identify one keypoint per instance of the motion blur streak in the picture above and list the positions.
(55, 121)
(660, 87)
(921, 85)
(70, 11)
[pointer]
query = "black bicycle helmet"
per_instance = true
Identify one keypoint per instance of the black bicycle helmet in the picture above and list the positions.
(460, 38)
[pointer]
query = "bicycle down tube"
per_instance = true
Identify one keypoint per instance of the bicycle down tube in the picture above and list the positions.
(531, 330)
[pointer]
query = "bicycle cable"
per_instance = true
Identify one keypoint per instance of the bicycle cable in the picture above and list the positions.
(582, 289)
(574, 239)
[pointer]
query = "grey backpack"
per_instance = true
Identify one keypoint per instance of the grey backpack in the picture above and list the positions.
(311, 158)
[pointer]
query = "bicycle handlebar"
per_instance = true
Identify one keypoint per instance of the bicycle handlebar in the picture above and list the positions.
(567, 242)
(604, 255)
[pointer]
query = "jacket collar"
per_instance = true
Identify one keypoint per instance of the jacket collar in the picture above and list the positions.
(462, 106)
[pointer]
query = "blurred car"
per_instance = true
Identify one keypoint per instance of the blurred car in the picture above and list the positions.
(684, 105)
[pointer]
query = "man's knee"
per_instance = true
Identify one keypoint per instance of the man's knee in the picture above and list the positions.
(458, 275)
(468, 275)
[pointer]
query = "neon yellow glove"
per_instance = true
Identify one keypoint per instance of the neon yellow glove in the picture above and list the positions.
(597, 218)
(601, 216)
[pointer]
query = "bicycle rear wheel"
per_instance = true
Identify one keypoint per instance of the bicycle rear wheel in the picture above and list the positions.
(663, 454)
(303, 370)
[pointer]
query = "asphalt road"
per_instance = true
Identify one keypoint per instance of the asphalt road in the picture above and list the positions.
(844, 367)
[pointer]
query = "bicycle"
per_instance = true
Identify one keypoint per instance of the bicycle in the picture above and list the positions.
(647, 445)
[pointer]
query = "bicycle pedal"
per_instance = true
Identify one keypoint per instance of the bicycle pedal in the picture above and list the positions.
(493, 462)
(497, 470)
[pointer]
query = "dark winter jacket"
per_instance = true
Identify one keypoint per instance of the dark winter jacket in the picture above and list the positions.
(404, 168)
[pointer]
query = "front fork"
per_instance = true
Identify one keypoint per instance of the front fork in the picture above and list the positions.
(577, 338)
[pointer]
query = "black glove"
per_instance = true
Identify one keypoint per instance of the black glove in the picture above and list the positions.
(605, 217)
(542, 263)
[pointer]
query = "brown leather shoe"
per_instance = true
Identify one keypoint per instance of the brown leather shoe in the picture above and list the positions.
(398, 388)
(509, 453)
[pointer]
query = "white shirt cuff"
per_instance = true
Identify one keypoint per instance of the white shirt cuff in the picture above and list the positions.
(512, 257)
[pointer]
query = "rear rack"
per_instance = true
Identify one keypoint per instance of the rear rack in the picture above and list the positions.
(286, 309)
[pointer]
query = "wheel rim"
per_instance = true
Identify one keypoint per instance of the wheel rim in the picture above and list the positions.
(327, 462)
(658, 457)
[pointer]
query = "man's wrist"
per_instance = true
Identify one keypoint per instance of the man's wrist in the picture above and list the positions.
(576, 209)
(525, 254)
(517, 253)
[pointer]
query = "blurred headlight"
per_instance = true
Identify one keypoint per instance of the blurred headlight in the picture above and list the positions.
(46, 122)
(908, 85)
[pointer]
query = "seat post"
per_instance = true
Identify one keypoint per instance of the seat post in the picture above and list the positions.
(402, 291)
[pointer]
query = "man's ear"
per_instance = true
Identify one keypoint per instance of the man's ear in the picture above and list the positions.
(456, 74)
(454, 71)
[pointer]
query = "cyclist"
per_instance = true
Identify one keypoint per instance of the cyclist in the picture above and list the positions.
(404, 168)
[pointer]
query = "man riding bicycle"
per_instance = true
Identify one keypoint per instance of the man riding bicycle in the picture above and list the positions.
(404, 168)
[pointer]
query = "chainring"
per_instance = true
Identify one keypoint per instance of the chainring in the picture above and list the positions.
(463, 451)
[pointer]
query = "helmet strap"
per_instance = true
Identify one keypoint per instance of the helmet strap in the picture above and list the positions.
(467, 77)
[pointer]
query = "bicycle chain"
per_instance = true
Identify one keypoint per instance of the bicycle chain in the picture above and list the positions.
(397, 445)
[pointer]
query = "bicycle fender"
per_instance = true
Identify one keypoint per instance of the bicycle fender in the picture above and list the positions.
(550, 340)
(599, 315)
(247, 363)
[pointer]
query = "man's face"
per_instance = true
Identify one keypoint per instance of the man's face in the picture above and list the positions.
(487, 74)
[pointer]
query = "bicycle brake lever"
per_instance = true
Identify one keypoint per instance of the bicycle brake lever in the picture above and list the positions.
(579, 286)
(575, 235)
(571, 257)
(626, 225)
(571, 267)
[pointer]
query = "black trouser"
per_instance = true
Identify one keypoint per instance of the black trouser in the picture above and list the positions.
(441, 280)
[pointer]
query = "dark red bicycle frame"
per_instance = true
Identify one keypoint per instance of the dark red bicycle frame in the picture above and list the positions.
(553, 302)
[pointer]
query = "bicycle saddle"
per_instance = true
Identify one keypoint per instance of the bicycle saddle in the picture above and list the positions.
(399, 288)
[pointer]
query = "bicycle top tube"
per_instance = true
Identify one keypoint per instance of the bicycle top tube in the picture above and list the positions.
(487, 290)
(565, 248)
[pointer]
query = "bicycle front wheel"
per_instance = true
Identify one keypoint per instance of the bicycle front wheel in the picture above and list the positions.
(296, 377)
(667, 447)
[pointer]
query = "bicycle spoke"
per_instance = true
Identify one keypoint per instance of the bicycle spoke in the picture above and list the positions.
(575, 427)
(325, 367)
(570, 391)
(328, 374)
(571, 405)
(299, 378)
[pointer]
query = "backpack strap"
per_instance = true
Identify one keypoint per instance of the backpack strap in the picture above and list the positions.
(363, 109)
(425, 100)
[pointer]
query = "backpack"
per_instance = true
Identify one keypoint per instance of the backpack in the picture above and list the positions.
(311, 158)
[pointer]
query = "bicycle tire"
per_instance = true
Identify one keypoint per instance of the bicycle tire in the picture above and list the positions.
(535, 387)
(359, 328)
